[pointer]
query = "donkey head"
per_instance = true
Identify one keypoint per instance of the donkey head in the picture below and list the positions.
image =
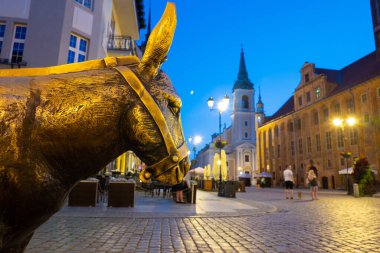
(156, 131)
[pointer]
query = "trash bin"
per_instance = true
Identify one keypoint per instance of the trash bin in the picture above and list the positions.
(229, 189)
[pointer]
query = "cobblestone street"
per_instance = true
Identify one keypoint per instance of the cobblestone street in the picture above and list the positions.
(335, 223)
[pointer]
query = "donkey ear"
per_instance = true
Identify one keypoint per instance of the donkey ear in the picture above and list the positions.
(159, 43)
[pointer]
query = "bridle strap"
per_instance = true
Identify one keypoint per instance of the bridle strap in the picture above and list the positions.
(174, 155)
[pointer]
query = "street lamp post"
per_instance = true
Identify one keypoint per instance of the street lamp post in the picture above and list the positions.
(195, 141)
(222, 106)
(346, 154)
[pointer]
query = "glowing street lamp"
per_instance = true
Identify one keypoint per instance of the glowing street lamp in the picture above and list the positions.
(338, 122)
(222, 106)
(195, 141)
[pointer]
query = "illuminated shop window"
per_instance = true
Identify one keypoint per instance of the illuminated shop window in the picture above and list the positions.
(78, 48)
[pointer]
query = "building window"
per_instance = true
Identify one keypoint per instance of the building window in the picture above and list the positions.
(246, 135)
(276, 131)
(308, 144)
(318, 93)
(278, 150)
(300, 100)
(307, 78)
(366, 118)
(350, 106)
(78, 48)
(308, 97)
(300, 149)
(377, 11)
(299, 124)
(364, 98)
(246, 158)
(2, 31)
(328, 140)
(337, 109)
(86, 3)
(340, 139)
(290, 126)
(353, 136)
(245, 123)
(326, 114)
(318, 141)
(328, 163)
(18, 43)
(316, 118)
(244, 101)
(342, 161)
(292, 147)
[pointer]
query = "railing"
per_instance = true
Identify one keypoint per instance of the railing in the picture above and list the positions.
(13, 63)
(123, 43)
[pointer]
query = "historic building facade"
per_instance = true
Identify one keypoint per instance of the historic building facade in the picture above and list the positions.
(39, 33)
(301, 133)
(241, 135)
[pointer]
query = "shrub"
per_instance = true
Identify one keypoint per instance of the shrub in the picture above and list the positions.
(364, 177)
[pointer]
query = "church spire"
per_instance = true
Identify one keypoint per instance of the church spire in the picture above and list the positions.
(243, 81)
(260, 104)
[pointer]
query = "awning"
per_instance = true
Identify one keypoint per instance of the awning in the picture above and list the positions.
(350, 171)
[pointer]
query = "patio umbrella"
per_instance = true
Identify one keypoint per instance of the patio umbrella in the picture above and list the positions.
(215, 167)
(350, 171)
(197, 171)
(224, 165)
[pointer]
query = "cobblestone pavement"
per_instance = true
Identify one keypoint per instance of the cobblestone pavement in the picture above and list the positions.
(335, 223)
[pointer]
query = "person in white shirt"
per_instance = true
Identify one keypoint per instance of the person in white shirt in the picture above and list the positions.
(289, 182)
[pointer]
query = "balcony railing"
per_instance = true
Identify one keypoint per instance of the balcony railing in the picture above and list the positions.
(13, 63)
(122, 43)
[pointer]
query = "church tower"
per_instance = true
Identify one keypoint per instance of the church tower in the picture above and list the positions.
(375, 7)
(243, 107)
(259, 112)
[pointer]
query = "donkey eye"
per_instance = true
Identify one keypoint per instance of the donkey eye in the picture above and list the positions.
(174, 108)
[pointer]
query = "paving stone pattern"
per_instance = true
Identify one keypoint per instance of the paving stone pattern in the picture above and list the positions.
(335, 223)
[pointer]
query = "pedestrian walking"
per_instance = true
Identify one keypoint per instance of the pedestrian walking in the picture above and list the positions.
(289, 182)
(313, 184)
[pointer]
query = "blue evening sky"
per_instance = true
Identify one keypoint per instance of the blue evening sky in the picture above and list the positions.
(278, 37)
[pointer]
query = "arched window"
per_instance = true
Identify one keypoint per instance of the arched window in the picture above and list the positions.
(244, 101)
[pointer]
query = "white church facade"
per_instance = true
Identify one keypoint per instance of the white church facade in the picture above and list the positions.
(241, 135)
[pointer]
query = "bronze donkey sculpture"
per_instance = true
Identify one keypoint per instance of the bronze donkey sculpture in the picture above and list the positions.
(61, 124)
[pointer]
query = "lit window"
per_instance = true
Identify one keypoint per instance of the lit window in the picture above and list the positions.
(2, 31)
(318, 93)
(366, 117)
(78, 48)
(18, 43)
(85, 3)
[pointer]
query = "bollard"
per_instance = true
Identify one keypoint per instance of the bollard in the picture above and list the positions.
(299, 195)
(356, 191)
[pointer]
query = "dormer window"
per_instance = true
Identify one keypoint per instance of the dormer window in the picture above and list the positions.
(307, 78)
